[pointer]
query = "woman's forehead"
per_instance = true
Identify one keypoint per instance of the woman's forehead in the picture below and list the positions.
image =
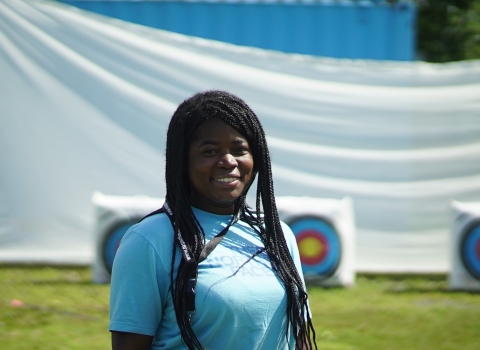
(215, 129)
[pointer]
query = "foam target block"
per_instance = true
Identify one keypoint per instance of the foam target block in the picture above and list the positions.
(324, 229)
(325, 233)
(465, 246)
(114, 215)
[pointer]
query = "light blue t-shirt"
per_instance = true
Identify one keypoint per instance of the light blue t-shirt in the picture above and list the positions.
(235, 308)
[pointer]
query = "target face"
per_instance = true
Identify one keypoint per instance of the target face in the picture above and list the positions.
(111, 243)
(319, 246)
(470, 250)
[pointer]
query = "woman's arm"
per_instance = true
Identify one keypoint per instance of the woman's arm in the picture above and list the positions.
(131, 341)
(136, 295)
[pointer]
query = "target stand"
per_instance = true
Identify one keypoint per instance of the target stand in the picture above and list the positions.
(465, 247)
(325, 234)
(114, 216)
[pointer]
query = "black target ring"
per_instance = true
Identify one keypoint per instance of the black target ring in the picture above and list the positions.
(112, 240)
(470, 249)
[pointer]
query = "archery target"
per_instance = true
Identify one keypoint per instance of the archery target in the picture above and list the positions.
(470, 249)
(319, 246)
(465, 247)
(112, 241)
(114, 216)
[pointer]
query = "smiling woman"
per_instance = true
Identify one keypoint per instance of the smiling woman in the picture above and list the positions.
(207, 271)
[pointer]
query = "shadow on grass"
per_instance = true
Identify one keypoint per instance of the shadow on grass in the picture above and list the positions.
(414, 283)
(35, 266)
(35, 310)
(402, 289)
(58, 282)
(50, 274)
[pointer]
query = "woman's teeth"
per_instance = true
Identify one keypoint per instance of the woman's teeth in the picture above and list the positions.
(226, 179)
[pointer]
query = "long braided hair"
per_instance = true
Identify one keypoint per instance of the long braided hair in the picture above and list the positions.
(235, 112)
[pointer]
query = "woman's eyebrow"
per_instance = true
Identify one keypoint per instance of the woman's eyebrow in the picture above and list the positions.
(208, 142)
(216, 142)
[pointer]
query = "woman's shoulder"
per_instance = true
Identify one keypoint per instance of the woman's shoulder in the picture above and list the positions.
(153, 228)
(289, 236)
(287, 231)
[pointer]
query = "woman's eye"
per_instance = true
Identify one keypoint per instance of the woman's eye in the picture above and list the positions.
(241, 150)
(210, 151)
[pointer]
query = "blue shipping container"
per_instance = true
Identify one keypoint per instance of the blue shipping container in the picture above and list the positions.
(343, 29)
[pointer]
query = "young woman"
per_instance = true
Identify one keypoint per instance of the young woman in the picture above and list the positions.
(207, 271)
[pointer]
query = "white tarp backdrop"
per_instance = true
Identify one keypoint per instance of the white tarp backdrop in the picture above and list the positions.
(85, 102)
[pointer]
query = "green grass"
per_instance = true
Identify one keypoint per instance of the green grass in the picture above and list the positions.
(63, 310)
(396, 312)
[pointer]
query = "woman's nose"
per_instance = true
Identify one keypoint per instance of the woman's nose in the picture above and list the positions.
(227, 161)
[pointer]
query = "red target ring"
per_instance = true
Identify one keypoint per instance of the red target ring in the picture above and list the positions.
(319, 245)
(313, 247)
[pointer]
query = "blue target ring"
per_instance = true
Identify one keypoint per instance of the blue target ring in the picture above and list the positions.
(319, 246)
(112, 241)
(470, 249)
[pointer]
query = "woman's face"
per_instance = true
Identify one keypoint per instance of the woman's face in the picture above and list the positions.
(220, 166)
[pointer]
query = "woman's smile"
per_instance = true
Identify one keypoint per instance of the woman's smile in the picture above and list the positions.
(226, 179)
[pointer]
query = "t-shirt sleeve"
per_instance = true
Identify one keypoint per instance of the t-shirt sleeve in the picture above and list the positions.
(138, 288)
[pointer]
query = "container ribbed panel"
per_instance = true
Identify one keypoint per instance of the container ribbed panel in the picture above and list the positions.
(342, 29)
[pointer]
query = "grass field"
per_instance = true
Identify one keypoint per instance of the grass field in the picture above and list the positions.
(59, 308)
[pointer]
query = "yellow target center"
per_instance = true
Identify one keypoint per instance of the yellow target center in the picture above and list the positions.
(310, 247)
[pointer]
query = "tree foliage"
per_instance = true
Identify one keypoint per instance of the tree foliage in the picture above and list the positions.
(448, 30)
